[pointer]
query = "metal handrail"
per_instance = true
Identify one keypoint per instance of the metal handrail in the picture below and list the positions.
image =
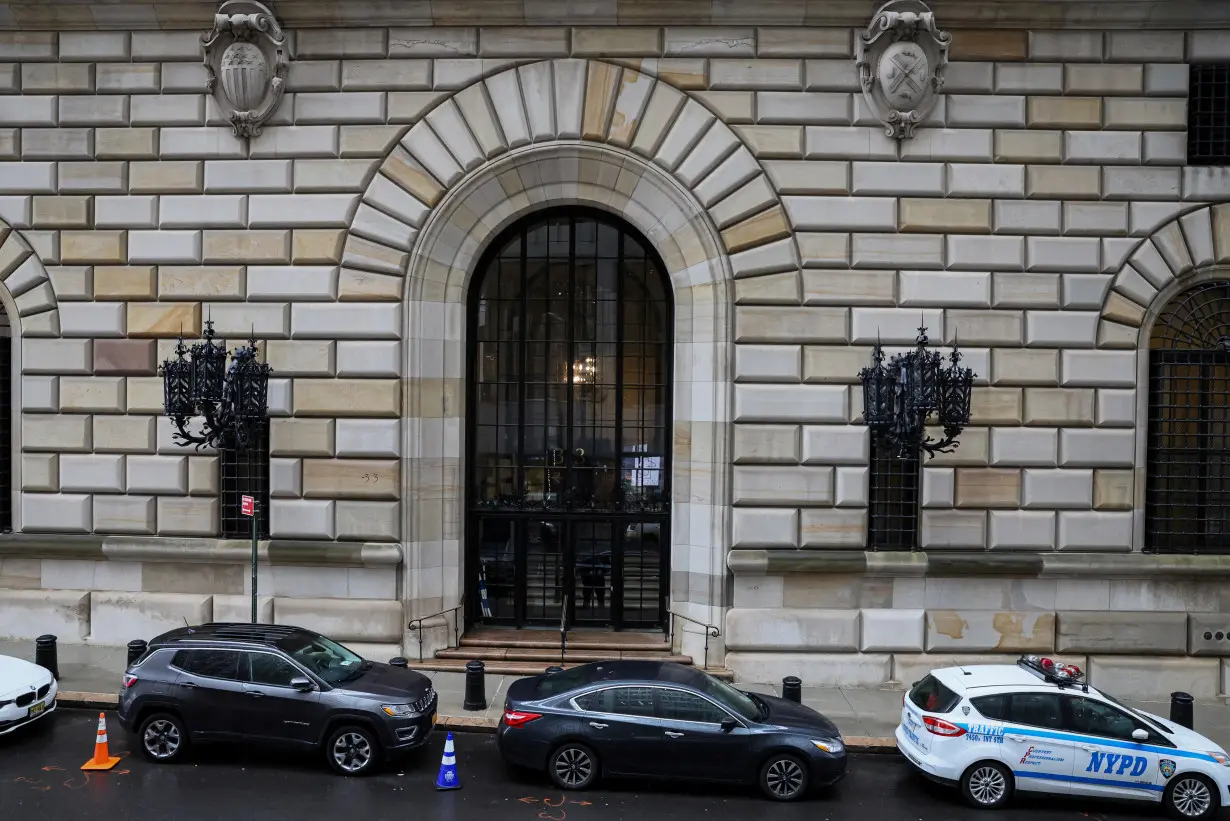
(416, 625)
(711, 631)
(563, 629)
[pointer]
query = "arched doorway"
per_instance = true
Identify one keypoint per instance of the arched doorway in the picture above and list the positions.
(569, 426)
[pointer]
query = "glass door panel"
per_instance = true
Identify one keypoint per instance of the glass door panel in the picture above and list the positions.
(547, 570)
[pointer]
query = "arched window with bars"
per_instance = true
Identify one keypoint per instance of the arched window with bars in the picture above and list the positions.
(1187, 490)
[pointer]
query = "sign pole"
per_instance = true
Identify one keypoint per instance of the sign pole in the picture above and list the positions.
(254, 531)
(247, 507)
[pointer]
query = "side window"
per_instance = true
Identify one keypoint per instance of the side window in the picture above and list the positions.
(180, 659)
(222, 664)
(1085, 715)
(267, 668)
(627, 701)
(1036, 710)
(678, 705)
(994, 707)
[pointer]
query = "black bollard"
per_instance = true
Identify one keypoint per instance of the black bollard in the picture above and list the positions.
(555, 668)
(792, 689)
(136, 649)
(476, 689)
(1181, 710)
(45, 654)
(399, 662)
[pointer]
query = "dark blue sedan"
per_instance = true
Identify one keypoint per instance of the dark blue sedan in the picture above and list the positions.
(652, 719)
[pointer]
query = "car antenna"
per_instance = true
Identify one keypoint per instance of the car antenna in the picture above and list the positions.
(187, 626)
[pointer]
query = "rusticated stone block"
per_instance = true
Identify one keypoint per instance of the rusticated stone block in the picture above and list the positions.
(1149, 678)
(351, 478)
(1122, 632)
(117, 616)
(983, 630)
(166, 319)
(343, 619)
(27, 614)
(1208, 634)
(868, 670)
(790, 629)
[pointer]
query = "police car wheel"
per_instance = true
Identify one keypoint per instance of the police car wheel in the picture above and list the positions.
(986, 785)
(1191, 796)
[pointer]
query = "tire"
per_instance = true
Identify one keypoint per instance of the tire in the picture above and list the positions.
(352, 750)
(573, 766)
(1191, 797)
(163, 738)
(783, 777)
(986, 785)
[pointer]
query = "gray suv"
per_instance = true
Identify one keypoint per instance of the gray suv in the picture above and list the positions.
(273, 684)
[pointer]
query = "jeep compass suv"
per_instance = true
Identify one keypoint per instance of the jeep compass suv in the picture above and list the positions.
(273, 684)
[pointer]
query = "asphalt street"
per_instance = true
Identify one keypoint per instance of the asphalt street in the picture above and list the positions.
(40, 778)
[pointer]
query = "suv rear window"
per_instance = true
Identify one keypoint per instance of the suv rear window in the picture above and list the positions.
(932, 696)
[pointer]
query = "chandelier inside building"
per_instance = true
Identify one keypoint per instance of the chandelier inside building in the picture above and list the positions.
(914, 389)
(230, 399)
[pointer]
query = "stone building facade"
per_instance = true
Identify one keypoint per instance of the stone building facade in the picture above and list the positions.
(1044, 214)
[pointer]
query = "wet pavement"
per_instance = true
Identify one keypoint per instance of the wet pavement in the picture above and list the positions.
(40, 778)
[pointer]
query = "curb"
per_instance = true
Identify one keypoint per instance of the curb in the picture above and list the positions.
(463, 724)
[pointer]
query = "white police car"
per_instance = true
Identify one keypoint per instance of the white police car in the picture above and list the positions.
(1037, 726)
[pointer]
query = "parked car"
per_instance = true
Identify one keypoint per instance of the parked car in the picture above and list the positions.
(665, 720)
(27, 693)
(277, 685)
(1039, 727)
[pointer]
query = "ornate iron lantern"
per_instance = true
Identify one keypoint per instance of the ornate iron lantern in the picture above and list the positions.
(230, 400)
(900, 397)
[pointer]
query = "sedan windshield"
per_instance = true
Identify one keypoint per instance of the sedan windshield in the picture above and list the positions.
(327, 659)
(738, 703)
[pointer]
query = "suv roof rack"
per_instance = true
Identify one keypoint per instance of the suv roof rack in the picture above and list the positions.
(1061, 675)
(235, 631)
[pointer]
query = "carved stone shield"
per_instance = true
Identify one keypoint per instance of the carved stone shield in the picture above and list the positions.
(904, 74)
(244, 73)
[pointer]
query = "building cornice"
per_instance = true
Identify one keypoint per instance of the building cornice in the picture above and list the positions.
(70, 15)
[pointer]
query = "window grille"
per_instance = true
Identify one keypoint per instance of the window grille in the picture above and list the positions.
(893, 499)
(246, 473)
(1187, 486)
(1208, 114)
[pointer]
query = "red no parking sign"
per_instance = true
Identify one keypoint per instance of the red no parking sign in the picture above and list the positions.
(247, 505)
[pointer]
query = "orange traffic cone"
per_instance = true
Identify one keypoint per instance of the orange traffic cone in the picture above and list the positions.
(102, 760)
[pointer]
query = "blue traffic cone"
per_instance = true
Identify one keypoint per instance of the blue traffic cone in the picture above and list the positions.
(447, 779)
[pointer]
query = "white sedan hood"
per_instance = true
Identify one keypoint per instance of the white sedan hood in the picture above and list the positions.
(16, 676)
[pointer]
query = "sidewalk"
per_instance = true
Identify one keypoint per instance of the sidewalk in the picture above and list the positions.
(90, 676)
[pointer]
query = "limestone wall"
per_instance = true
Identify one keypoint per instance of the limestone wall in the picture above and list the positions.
(1036, 216)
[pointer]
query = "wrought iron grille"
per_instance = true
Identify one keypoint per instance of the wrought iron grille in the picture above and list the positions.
(893, 490)
(570, 332)
(1187, 490)
(1208, 114)
(245, 472)
(6, 428)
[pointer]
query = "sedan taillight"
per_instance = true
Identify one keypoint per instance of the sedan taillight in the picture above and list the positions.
(129, 680)
(938, 726)
(518, 718)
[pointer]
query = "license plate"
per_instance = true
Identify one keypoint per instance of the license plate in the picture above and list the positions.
(35, 709)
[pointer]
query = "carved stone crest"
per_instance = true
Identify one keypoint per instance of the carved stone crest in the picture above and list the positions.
(246, 60)
(901, 59)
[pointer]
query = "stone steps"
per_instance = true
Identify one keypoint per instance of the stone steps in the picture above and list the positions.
(515, 668)
(552, 656)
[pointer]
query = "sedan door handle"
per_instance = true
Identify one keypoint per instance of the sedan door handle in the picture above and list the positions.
(598, 725)
(1087, 749)
(187, 684)
(1019, 739)
(255, 694)
(669, 734)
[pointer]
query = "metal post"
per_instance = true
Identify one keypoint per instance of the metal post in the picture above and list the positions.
(45, 655)
(255, 513)
(1181, 709)
(399, 661)
(792, 689)
(476, 689)
(136, 649)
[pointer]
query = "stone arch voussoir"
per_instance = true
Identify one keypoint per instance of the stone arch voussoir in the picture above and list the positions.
(565, 101)
(1174, 251)
(26, 290)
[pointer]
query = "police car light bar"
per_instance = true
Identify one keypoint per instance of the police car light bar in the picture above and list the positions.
(1061, 674)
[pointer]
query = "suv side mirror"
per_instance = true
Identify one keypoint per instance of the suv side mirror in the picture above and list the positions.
(302, 684)
(1140, 735)
(729, 725)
